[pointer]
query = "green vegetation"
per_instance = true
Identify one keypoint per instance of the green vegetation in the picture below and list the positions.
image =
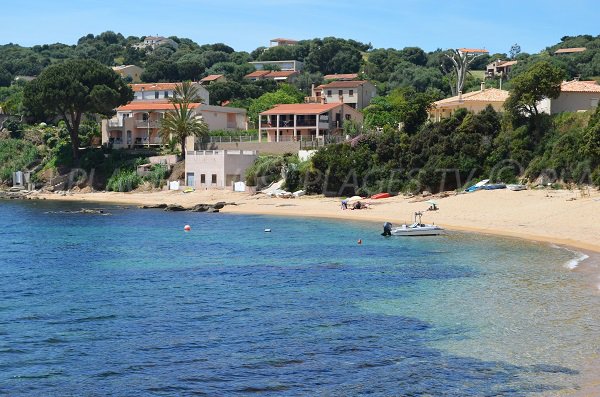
(72, 89)
(123, 181)
(15, 155)
(157, 176)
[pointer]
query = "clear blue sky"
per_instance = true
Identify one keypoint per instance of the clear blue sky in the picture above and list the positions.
(245, 25)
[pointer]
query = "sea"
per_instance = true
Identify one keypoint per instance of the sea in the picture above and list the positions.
(127, 303)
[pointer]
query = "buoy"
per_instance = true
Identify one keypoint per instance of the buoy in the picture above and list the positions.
(359, 241)
(267, 230)
(187, 228)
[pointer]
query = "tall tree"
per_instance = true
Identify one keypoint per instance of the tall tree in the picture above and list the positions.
(71, 89)
(183, 121)
(541, 80)
(462, 59)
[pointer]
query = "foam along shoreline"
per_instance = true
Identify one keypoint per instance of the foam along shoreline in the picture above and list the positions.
(554, 216)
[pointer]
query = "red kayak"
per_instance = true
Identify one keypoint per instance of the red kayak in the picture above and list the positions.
(381, 195)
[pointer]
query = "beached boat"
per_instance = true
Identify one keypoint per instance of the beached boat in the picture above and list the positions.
(494, 186)
(516, 187)
(418, 228)
(477, 186)
(380, 196)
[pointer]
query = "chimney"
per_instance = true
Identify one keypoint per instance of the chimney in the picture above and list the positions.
(312, 89)
(482, 85)
(460, 96)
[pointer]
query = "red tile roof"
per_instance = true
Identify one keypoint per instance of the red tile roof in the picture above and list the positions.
(302, 108)
(343, 76)
(474, 50)
(570, 50)
(344, 84)
(151, 105)
(580, 86)
(268, 74)
(257, 73)
(280, 73)
(212, 77)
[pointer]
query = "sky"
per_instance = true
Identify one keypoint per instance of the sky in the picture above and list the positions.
(246, 25)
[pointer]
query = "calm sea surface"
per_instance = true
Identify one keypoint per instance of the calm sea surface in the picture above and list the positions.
(130, 304)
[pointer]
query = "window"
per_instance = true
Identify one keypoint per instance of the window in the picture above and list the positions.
(347, 116)
(328, 92)
(155, 94)
(351, 93)
(166, 94)
(203, 178)
(340, 92)
(214, 179)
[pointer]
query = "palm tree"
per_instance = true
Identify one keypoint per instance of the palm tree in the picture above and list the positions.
(183, 121)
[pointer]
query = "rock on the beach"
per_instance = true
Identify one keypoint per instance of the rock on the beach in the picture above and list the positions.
(200, 208)
(219, 205)
(175, 207)
(150, 206)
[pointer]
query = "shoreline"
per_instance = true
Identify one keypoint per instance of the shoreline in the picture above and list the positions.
(553, 217)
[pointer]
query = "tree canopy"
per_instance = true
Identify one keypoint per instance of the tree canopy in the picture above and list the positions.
(72, 89)
(541, 80)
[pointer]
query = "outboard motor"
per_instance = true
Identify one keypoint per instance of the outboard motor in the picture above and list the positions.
(387, 229)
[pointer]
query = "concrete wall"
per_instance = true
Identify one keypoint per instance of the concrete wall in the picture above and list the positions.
(227, 166)
(260, 147)
(574, 102)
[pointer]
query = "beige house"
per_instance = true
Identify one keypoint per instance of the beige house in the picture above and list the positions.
(292, 65)
(137, 124)
(129, 71)
(473, 101)
(354, 93)
(305, 121)
(213, 78)
(575, 96)
(218, 169)
(499, 68)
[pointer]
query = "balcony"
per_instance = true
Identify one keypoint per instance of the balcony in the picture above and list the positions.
(115, 123)
(147, 124)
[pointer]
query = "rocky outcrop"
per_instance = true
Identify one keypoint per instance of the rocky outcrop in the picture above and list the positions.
(211, 208)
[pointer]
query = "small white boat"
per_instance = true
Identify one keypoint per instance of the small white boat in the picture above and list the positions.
(418, 228)
(516, 187)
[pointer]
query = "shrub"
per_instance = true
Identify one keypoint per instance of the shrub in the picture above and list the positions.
(123, 181)
(15, 155)
(158, 174)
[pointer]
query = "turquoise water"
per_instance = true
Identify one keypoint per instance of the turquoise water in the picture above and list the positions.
(129, 304)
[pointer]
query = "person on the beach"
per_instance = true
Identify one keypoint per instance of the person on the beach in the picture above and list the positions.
(344, 204)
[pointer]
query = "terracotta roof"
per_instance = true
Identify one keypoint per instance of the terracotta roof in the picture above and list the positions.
(507, 63)
(282, 73)
(343, 76)
(302, 108)
(570, 50)
(153, 86)
(268, 74)
(474, 50)
(580, 86)
(344, 84)
(257, 73)
(151, 105)
(212, 77)
(487, 95)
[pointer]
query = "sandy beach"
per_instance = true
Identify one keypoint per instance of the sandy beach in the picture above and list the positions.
(555, 216)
